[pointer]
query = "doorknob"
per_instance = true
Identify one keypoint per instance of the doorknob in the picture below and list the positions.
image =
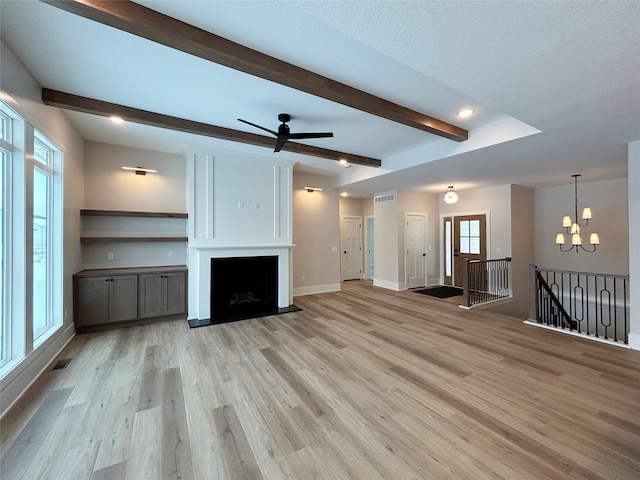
(424, 254)
(345, 251)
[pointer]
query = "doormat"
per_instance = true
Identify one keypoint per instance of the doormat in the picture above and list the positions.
(440, 292)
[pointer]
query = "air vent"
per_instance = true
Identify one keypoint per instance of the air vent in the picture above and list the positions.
(389, 197)
(62, 363)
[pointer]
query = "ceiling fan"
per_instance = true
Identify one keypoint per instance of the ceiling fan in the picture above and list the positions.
(283, 134)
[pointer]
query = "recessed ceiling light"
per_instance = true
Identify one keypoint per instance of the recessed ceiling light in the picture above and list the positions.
(344, 163)
(467, 112)
(116, 119)
(344, 194)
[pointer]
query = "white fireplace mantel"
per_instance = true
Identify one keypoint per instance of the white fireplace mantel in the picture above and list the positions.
(240, 205)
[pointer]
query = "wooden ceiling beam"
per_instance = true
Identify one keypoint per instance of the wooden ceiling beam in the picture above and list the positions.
(157, 27)
(77, 103)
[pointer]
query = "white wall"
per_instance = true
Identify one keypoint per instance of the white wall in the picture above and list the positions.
(608, 201)
(316, 229)
(385, 239)
(108, 187)
(634, 234)
(419, 202)
(22, 93)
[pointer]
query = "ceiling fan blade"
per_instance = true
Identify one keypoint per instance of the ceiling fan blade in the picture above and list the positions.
(282, 139)
(258, 126)
(298, 136)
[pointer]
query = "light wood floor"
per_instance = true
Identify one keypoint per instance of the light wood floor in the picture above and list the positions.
(364, 384)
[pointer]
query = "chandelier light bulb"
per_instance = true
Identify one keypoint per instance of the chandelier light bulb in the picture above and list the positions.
(450, 197)
(560, 239)
(575, 239)
(586, 213)
(566, 221)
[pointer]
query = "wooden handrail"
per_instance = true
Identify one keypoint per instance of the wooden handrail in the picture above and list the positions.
(565, 316)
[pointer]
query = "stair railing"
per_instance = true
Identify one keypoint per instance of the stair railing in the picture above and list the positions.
(594, 304)
(485, 281)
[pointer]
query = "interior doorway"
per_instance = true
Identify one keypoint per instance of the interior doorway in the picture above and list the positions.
(351, 247)
(465, 238)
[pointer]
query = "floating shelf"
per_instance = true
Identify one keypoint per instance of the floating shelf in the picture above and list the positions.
(87, 240)
(124, 213)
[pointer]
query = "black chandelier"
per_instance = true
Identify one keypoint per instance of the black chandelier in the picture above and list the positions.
(573, 227)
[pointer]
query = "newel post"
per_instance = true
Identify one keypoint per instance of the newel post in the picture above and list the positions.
(533, 293)
(466, 291)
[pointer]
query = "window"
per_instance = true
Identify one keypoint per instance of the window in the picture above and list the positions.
(470, 236)
(30, 241)
(5, 164)
(42, 238)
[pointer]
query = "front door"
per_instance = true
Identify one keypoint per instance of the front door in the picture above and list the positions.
(414, 235)
(351, 243)
(469, 242)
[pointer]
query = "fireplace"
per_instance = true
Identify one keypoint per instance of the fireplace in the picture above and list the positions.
(243, 287)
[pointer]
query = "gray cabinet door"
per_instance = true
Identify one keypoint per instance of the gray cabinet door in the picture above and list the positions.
(161, 294)
(151, 295)
(176, 293)
(124, 298)
(93, 300)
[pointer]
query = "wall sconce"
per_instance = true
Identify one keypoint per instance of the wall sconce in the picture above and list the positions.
(312, 189)
(450, 196)
(140, 170)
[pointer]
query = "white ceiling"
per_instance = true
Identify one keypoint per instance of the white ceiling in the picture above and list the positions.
(555, 85)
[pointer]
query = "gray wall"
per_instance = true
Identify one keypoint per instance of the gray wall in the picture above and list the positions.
(608, 201)
(497, 202)
(316, 229)
(108, 187)
(634, 234)
(522, 250)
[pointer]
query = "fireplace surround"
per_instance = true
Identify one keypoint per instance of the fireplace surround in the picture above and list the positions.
(240, 206)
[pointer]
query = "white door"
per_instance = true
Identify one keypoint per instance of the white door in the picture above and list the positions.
(415, 263)
(351, 243)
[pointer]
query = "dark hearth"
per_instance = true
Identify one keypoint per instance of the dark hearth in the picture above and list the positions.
(243, 287)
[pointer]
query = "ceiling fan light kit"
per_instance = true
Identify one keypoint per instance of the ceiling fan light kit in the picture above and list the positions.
(284, 133)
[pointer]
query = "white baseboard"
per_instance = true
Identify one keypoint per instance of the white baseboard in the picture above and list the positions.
(389, 285)
(581, 335)
(18, 381)
(331, 287)
(634, 341)
(432, 282)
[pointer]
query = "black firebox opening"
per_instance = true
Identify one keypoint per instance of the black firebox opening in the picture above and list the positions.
(243, 287)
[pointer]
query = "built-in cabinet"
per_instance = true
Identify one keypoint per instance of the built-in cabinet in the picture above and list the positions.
(117, 297)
